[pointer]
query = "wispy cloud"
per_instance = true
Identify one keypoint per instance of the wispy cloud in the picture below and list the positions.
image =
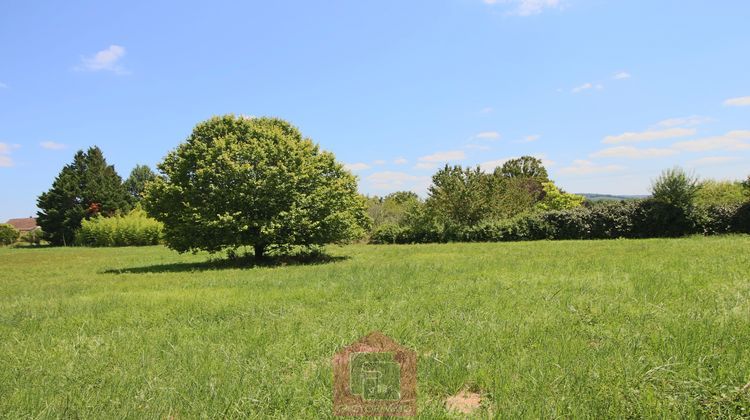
(51, 145)
(433, 160)
(5, 149)
(713, 160)
(630, 152)
(622, 75)
(392, 181)
(378, 162)
(649, 135)
(487, 110)
(587, 86)
(359, 166)
(529, 139)
(490, 165)
(586, 167)
(731, 141)
(107, 59)
(690, 121)
(400, 161)
(527, 7)
(740, 101)
(487, 135)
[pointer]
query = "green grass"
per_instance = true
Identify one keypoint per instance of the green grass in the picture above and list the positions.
(626, 328)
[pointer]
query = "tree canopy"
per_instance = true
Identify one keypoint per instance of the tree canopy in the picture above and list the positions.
(523, 167)
(136, 182)
(86, 187)
(256, 182)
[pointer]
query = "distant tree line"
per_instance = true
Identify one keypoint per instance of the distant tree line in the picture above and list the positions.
(258, 182)
(518, 202)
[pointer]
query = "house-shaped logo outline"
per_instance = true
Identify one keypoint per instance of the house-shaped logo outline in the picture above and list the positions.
(345, 403)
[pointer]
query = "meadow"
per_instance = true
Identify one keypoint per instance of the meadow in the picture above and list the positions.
(620, 328)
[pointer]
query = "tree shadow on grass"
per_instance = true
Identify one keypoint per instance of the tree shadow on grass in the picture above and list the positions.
(230, 264)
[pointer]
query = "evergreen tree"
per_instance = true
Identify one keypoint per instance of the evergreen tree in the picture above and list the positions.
(84, 188)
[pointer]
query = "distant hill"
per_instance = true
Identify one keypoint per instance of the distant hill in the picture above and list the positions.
(608, 197)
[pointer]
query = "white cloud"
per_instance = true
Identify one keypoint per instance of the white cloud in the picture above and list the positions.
(649, 135)
(400, 161)
(741, 101)
(490, 165)
(732, 141)
(106, 59)
(392, 181)
(441, 157)
(425, 165)
(713, 160)
(5, 160)
(527, 7)
(531, 138)
(488, 135)
(622, 75)
(587, 86)
(631, 152)
(586, 167)
(51, 145)
(359, 166)
(690, 121)
(378, 162)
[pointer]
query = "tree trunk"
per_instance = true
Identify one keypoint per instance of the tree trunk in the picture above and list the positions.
(259, 250)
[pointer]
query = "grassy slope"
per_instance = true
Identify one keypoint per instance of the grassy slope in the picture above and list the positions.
(595, 328)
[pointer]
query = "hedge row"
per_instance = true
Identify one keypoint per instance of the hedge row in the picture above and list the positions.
(626, 219)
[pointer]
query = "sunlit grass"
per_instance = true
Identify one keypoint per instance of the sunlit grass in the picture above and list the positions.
(638, 328)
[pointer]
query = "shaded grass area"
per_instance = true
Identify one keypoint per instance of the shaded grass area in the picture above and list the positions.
(625, 328)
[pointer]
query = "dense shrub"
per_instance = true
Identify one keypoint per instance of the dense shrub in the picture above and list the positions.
(33, 237)
(715, 219)
(8, 234)
(133, 229)
(741, 219)
(625, 219)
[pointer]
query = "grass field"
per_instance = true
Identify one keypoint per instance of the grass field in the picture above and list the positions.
(636, 328)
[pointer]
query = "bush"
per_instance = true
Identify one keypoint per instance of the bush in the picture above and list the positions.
(33, 237)
(8, 234)
(133, 229)
(714, 219)
(741, 219)
(388, 233)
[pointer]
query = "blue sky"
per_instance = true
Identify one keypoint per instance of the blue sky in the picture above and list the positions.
(608, 93)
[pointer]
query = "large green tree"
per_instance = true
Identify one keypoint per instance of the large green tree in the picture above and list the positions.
(459, 196)
(86, 187)
(240, 181)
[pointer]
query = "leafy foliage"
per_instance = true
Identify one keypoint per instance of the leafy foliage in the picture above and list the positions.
(136, 182)
(458, 196)
(523, 167)
(239, 181)
(132, 229)
(8, 234)
(677, 187)
(85, 188)
(557, 199)
(720, 193)
(391, 209)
